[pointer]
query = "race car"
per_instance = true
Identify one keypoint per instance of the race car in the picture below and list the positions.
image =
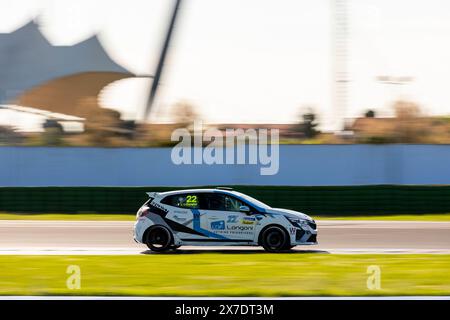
(219, 217)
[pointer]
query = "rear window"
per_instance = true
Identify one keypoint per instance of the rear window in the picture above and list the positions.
(189, 201)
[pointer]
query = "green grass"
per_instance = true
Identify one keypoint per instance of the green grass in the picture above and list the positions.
(215, 274)
(131, 217)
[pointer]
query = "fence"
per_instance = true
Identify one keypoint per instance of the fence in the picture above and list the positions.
(345, 200)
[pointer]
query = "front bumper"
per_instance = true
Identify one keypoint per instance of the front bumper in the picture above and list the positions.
(305, 236)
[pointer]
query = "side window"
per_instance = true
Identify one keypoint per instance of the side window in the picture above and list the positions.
(232, 204)
(211, 201)
(189, 201)
(220, 202)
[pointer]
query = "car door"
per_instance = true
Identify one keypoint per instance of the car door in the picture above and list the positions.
(184, 214)
(220, 216)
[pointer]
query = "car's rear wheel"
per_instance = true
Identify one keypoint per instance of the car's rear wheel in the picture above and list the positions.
(274, 239)
(159, 239)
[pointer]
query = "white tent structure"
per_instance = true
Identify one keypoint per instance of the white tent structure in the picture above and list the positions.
(27, 59)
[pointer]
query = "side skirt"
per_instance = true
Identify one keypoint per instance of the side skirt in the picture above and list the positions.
(216, 242)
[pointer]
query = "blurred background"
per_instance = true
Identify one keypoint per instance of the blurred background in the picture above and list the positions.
(82, 73)
(91, 91)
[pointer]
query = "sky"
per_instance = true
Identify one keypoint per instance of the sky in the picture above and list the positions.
(257, 60)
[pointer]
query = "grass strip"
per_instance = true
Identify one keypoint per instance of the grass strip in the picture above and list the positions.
(215, 274)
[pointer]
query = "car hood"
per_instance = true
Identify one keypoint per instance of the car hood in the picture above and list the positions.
(289, 213)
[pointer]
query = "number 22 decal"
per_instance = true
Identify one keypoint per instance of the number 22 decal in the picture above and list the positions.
(191, 200)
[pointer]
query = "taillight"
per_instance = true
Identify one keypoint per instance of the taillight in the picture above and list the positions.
(145, 212)
(142, 212)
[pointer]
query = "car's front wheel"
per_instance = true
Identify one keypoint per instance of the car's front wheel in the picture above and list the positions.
(274, 239)
(159, 239)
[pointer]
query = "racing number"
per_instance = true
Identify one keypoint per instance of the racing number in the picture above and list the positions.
(191, 201)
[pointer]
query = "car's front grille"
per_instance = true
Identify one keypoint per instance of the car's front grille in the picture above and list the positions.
(312, 225)
(299, 234)
(312, 238)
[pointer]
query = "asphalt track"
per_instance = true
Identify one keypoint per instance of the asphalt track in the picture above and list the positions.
(116, 238)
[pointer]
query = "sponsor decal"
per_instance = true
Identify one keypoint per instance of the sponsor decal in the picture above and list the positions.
(218, 225)
(248, 220)
(232, 219)
(191, 201)
(188, 202)
(240, 228)
(292, 230)
(159, 206)
(181, 219)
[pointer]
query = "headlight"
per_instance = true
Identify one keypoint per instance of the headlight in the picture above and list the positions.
(298, 222)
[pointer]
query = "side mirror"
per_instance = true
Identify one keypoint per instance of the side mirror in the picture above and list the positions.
(244, 209)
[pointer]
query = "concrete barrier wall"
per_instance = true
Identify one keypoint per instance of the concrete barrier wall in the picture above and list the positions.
(304, 165)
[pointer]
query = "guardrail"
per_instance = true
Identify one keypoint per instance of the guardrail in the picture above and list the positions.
(332, 200)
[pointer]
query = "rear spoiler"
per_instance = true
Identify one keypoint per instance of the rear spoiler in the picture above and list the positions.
(152, 194)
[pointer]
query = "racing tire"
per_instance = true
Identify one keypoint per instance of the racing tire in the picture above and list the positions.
(159, 239)
(174, 247)
(275, 239)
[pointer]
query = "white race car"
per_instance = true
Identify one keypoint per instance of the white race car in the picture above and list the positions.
(219, 216)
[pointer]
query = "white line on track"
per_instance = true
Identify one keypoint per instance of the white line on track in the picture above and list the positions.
(191, 250)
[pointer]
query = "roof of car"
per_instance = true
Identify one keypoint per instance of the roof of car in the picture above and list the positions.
(196, 191)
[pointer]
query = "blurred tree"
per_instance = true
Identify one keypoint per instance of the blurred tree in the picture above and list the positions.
(184, 114)
(101, 124)
(8, 136)
(370, 114)
(406, 109)
(53, 132)
(410, 126)
(308, 124)
(130, 128)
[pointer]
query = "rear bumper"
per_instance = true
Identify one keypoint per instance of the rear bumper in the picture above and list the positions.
(138, 231)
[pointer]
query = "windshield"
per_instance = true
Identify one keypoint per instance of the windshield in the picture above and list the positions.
(252, 200)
